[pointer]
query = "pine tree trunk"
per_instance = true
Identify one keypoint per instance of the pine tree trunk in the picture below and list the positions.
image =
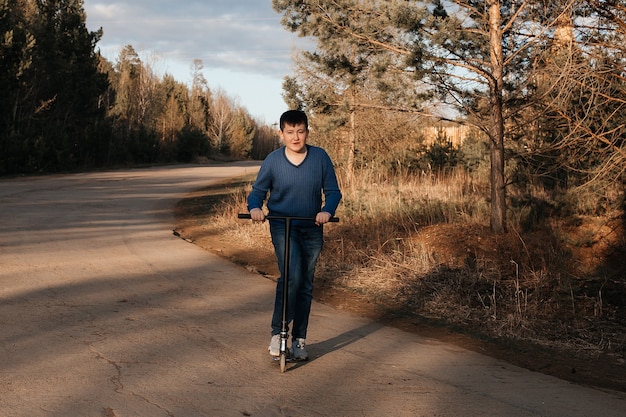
(496, 133)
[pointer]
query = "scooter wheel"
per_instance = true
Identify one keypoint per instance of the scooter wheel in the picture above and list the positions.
(283, 362)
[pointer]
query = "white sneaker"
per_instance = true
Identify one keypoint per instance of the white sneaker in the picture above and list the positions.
(299, 352)
(274, 347)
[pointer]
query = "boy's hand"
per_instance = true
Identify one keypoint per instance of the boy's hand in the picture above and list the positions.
(322, 217)
(257, 215)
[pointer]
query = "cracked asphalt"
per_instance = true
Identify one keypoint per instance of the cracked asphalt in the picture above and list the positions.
(104, 312)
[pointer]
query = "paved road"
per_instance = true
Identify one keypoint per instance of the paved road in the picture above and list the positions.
(103, 312)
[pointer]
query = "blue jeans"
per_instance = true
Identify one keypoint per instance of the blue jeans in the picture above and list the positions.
(306, 244)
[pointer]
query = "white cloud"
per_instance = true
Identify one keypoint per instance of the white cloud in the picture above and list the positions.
(106, 11)
(240, 42)
(211, 31)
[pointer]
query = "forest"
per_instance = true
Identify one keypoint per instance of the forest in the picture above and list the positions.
(540, 84)
(64, 107)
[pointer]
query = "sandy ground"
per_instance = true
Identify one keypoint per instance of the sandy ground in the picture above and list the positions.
(104, 312)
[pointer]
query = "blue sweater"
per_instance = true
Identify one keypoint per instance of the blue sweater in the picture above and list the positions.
(296, 190)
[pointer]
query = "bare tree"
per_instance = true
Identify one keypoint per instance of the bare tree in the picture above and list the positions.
(574, 129)
(221, 119)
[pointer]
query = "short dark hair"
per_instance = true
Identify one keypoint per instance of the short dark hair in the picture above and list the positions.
(294, 117)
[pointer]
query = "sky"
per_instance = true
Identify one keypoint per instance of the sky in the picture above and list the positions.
(243, 47)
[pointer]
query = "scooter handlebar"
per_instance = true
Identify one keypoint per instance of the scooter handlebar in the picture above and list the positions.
(247, 216)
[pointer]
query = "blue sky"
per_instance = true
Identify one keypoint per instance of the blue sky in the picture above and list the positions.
(244, 49)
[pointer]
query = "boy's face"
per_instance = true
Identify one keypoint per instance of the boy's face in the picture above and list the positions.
(294, 137)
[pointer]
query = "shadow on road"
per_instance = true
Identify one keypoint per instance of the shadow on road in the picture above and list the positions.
(320, 349)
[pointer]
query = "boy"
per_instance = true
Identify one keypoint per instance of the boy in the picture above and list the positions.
(295, 176)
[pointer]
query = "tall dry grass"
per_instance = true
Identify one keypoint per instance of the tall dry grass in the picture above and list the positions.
(373, 250)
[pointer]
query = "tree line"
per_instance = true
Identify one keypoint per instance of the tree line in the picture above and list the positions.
(65, 107)
(538, 85)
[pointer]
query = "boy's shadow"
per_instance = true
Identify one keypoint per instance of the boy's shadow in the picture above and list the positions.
(317, 350)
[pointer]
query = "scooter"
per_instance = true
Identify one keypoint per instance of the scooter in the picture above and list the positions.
(283, 356)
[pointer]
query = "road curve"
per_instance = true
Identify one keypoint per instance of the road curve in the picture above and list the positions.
(103, 312)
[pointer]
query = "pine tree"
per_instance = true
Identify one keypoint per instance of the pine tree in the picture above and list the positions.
(473, 56)
(242, 133)
(16, 50)
(53, 85)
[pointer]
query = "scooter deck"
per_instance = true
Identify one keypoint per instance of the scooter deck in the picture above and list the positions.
(289, 359)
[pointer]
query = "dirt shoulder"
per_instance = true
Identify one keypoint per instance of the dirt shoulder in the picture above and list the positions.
(600, 371)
